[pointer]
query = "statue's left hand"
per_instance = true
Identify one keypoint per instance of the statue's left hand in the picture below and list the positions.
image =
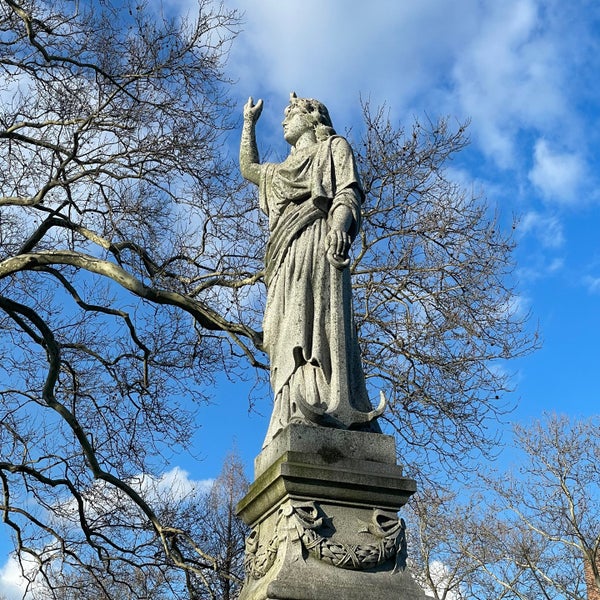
(338, 244)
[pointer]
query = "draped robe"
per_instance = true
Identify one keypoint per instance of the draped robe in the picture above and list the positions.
(299, 196)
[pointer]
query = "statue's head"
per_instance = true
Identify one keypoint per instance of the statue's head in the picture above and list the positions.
(316, 114)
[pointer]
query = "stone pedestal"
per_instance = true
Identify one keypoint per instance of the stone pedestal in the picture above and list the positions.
(323, 514)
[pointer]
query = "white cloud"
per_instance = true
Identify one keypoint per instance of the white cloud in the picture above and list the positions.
(592, 284)
(558, 175)
(174, 484)
(556, 265)
(171, 487)
(12, 583)
(517, 307)
(546, 228)
(516, 67)
(442, 578)
(512, 67)
(509, 77)
(543, 255)
(498, 62)
(388, 50)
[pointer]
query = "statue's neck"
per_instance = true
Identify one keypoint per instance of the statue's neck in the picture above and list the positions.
(305, 140)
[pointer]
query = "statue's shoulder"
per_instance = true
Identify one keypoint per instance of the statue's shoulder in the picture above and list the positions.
(337, 143)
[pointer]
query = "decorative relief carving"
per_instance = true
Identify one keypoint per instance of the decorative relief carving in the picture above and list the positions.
(306, 523)
(258, 561)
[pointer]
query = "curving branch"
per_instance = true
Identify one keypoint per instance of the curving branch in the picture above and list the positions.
(167, 534)
(206, 317)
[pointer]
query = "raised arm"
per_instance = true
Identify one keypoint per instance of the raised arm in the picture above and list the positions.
(249, 165)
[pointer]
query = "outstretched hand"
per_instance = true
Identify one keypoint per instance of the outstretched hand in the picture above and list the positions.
(252, 111)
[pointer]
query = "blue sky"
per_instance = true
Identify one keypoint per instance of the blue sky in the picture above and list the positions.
(525, 72)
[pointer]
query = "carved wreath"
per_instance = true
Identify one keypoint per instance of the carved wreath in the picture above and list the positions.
(302, 522)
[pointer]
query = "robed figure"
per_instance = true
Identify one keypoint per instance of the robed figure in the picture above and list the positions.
(313, 202)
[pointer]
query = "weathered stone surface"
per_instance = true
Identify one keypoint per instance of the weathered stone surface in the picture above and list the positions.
(304, 475)
(323, 506)
(313, 202)
(325, 524)
(296, 575)
(332, 445)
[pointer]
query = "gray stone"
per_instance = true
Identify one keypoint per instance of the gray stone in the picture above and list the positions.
(313, 201)
(330, 444)
(325, 525)
(327, 490)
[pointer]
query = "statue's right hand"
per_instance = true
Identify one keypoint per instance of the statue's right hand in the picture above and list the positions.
(252, 111)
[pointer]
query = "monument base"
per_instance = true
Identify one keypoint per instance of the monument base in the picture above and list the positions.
(323, 510)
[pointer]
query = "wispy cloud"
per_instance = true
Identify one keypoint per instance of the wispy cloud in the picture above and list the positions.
(171, 487)
(509, 66)
(558, 175)
(176, 484)
(509, 76)
(12, 584)
(592, 284)
(388, 50)
(547, 229)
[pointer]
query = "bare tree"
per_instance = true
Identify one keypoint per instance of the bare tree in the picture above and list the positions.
(223, 534)
(111, 125)
(131, 584)
(528, 535)
(436, 309)
(553, 503)
(129, 263)
(438, 527)
(463, 549)
(207, 516)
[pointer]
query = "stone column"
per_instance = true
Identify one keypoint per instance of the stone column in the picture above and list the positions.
(323, 512)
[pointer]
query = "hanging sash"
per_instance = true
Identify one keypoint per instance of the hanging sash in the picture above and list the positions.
(294, 220)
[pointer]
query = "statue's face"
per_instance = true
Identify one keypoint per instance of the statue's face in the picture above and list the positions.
(295, 124)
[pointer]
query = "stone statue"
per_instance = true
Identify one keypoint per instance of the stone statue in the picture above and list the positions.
(313, 200)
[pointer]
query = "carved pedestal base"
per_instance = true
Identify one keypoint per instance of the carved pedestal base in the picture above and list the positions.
(323, 516)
